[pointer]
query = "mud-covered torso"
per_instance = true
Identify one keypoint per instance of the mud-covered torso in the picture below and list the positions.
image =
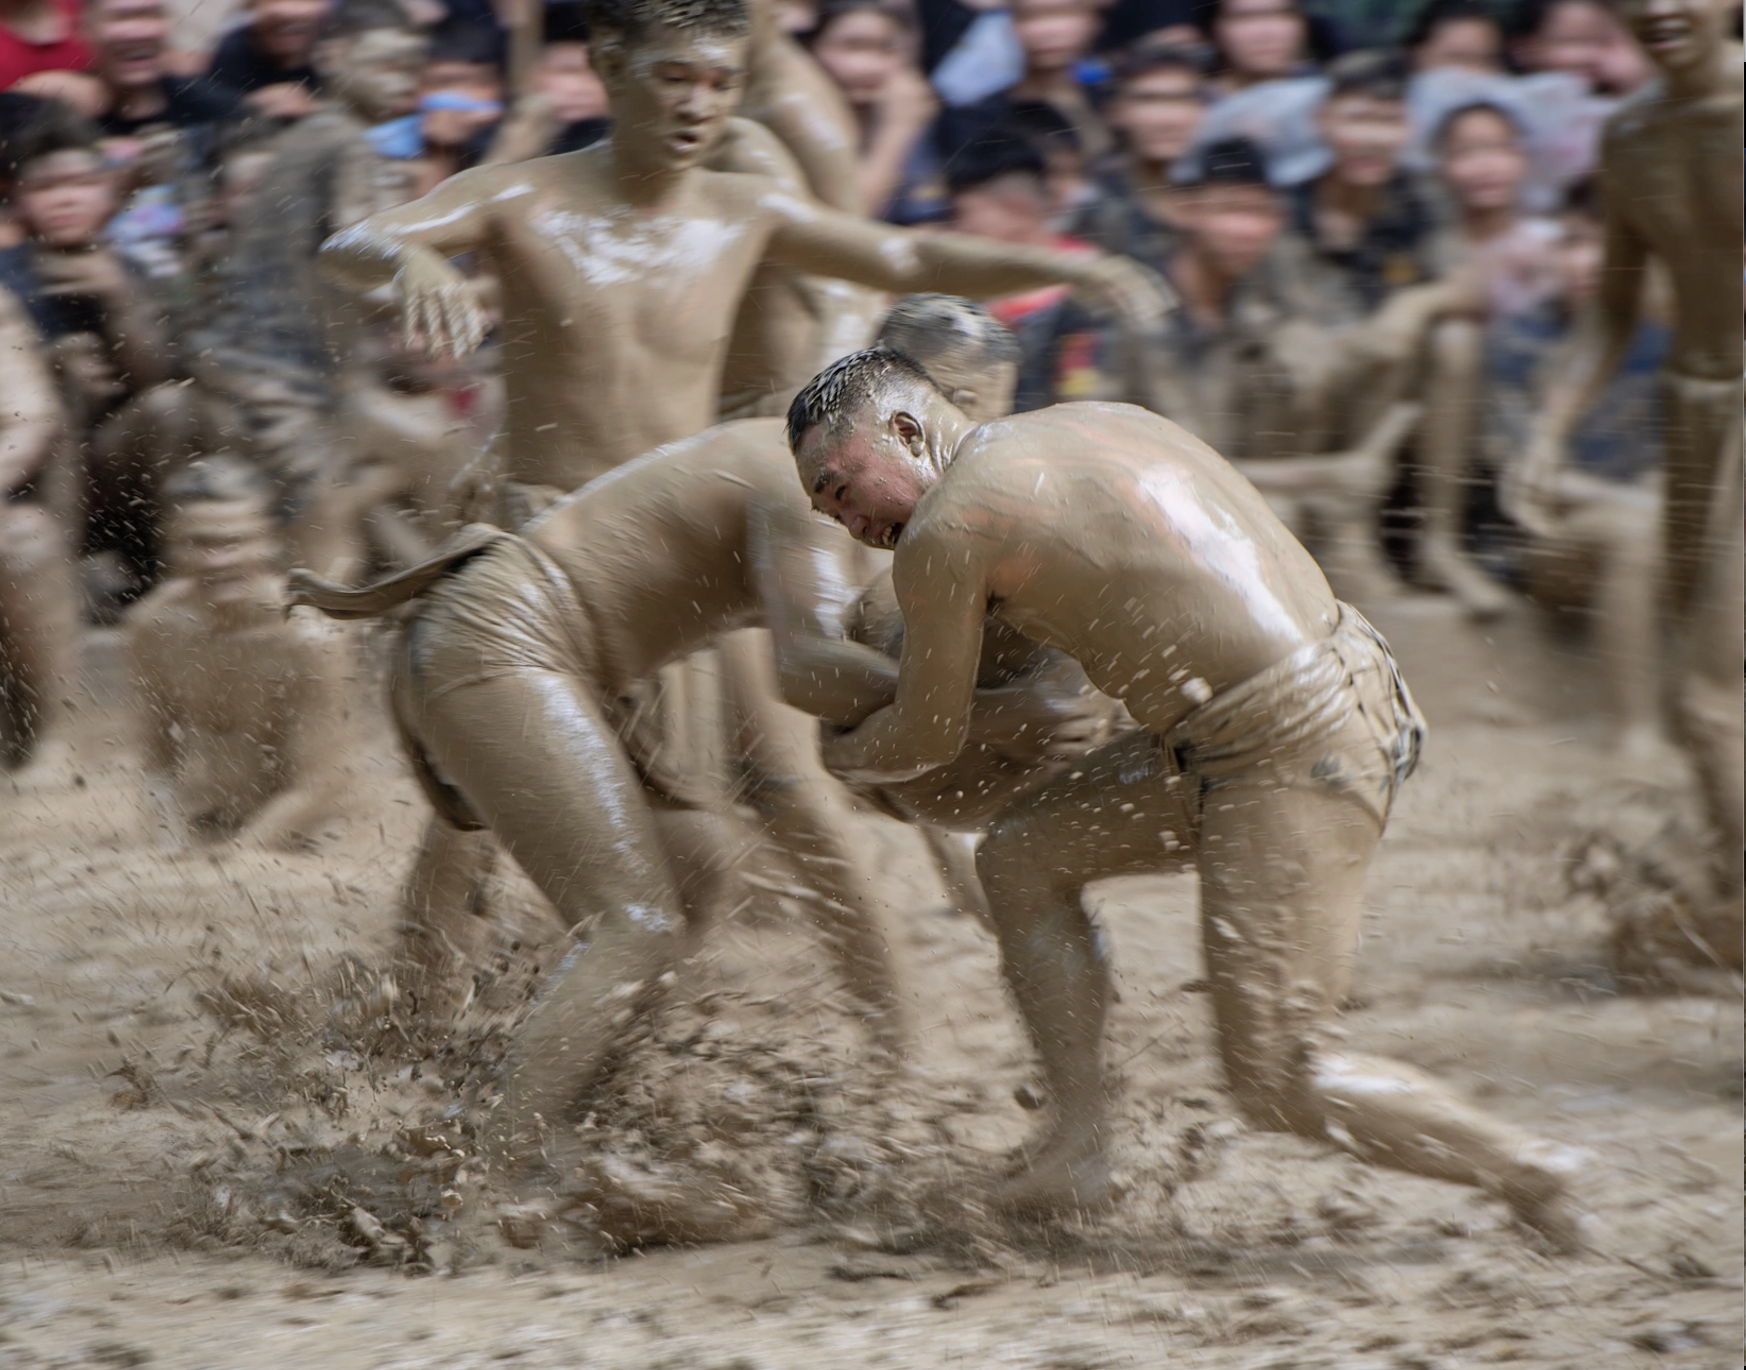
(1674, 171)
(658, 550)
(616, 319)
(1114, 536)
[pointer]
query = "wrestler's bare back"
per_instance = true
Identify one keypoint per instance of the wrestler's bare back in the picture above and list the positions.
(659, 551)
(1112, 534)
(1674, 177)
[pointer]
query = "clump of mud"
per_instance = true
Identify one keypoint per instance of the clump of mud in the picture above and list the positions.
(1644, 854)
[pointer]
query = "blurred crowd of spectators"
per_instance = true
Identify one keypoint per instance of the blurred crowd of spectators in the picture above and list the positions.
(1290, 167)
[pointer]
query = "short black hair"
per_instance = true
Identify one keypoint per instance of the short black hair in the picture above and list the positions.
(564, 22)
(997, 152)
(1043, 126)
(832, 10)
(1435, 13)
(1144, 58)
(50, 129)
(351, 18)
(1446, 125)
(927, 327)
(1233, 161)
(478, 44)
(834, 396)
(630, 19)
(1372, 72)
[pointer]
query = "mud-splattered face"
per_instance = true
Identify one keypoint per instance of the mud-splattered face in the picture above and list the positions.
(870, 478)
(1675, 33)
(672, 93)
(377, 72)
(223, 546)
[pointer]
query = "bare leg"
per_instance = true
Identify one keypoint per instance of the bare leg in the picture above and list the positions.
(956, 860)
(534, 755)
(39, 630)
(443, 930)
(811, 817)
(1121, 815)
(1282, 887)
(1445, 451)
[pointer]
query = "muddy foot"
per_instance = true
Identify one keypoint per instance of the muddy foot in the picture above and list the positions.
(1064, 1176)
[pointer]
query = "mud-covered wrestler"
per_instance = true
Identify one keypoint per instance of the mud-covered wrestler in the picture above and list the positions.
(1276, 730)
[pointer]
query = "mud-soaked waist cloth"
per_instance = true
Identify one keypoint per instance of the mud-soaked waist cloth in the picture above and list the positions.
(1335, 715)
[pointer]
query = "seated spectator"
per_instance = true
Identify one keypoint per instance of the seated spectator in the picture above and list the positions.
(999, 189)
(40, 35)
(1483, 163)
(1580, 37)
(1599, 555)
(1460, 34)
(1055, 36)
(107, 344)
(127, 40)
(1160, 99)
(864, 46)
(1259, 40)
(271, 59)
(566, 80)
(460, 103)
(1368, 226)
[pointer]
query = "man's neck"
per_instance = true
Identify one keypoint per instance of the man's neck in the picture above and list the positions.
(1699, 81)
(1482, 225)
(951, 427)
(1335, 195)
(1204, 288)
(643, 184)
(141, 102)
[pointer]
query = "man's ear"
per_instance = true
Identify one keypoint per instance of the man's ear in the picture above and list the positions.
(908, 428)
(606, 56)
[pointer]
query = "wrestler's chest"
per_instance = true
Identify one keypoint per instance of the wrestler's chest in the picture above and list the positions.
(1683, 185)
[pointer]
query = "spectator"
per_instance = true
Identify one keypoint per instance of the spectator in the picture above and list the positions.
(999, 189)
(127, 42)
(271, 59)
(1054, 35)
(1160, 100)
(1463, 34)
(460, 102)
(104, 339)
(1130, 24)
(1600, 555)
(40, 35)
(1064, 162)
(1368, 227)
(1483, 161)
(1581, 37)
(563, 75)
(1259, 40)
(864, 47)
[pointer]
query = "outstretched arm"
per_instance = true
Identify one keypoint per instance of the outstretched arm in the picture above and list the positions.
(944, 597)
(824, 242)
(407, 247)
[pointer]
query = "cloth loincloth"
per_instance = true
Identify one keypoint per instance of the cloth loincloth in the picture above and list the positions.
(1335, 716)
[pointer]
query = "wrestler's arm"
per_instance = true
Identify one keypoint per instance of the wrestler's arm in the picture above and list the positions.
(943, 594)
(812, 238)
(407, 247)
(321, 741)
(1603, 335)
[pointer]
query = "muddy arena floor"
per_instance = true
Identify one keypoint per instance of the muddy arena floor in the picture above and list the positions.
(218, 1150)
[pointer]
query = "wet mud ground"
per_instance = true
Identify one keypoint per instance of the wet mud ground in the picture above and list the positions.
(196, 1176)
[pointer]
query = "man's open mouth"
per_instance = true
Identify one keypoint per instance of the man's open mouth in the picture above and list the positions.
(888, 539)
(685, 141)
(1664, 33)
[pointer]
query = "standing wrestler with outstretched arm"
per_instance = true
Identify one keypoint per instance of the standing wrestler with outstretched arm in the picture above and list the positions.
(622, 266)
(1670, 168)
(1275, 732)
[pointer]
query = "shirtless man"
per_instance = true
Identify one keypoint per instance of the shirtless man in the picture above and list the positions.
(1670, 169)
(789, 325)
(247, 718)
(1275, 725)
(622, 266)
(503, 689)
(39, 597)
